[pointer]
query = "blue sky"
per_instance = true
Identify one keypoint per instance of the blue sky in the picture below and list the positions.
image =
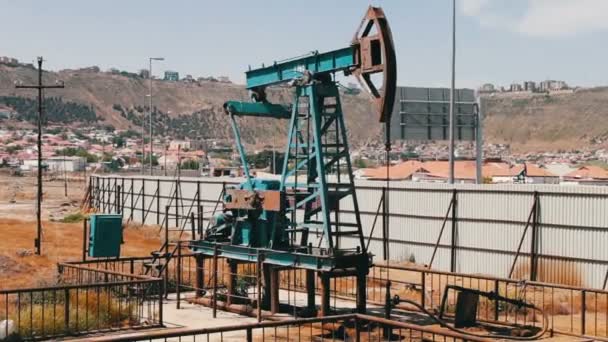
(499, 41)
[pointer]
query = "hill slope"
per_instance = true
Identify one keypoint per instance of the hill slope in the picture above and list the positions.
(536, 123)
(568, 121)
(197, 107)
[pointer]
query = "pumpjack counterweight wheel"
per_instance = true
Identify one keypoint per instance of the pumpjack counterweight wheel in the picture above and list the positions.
(376, 54)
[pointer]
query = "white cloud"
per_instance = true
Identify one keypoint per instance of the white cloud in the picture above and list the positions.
(541, 18)
(550, 18)
(472, 7)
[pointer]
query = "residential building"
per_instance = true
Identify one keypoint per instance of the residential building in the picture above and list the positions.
(465, 171)
(223, 79)
(487, 88)
(587, 175)
(144, 73)
(402, 171)
(532, 174)
(56, 164)
(552, 85)
(181, 144)
(530, 86)
(516, 87)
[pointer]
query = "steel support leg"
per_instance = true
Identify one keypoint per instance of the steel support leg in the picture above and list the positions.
(325, 298)
(231, 281)
(361, 293)
(200, 274)
(267, 283)
(310, 289)
(274, 290)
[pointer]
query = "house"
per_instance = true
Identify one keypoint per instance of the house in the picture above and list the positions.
(67, 164)
(533, 174)
(587, 175)
(402, 171)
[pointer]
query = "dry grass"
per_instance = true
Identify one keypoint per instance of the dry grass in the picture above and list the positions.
(556, 272)
(60, 242)
(87, 311)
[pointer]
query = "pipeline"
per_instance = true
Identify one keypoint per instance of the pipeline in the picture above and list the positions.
(444, 324)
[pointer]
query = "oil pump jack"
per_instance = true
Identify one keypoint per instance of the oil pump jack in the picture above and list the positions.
(296, 222)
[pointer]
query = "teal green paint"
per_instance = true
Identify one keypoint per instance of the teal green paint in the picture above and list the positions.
(258, 109)
(316, 63)
(239, 146)
(105, 235)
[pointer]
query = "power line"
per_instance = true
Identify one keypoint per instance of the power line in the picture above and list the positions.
(40, 87)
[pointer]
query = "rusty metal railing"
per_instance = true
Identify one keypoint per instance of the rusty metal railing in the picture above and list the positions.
(576, 311)
(84, 301)
(332, 328)
(572, 310)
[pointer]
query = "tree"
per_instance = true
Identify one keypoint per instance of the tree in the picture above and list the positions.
(118, 141)
(13, 149)
(154, 160)
(79, 152)
(359, 163)
(190, 165)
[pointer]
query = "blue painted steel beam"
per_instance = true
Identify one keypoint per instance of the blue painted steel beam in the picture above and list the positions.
(258, 109)
(316, 63)
(289, 258)
(239, 146)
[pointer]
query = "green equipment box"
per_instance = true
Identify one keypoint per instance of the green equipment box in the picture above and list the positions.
(105, 235)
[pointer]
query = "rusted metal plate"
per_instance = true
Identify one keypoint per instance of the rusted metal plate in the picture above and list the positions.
(376, 54)
(252, 200)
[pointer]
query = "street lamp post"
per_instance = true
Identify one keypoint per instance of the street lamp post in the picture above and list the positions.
(150, 108)
(143, 137)
(451, 178)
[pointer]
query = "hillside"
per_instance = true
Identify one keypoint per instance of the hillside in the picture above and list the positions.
(548, 123)
(190, 109)
(533, 123)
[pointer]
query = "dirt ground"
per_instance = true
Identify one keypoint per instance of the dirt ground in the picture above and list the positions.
(19, 266)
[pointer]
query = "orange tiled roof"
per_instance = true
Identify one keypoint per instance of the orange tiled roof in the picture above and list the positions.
(532, 171)
(463, 169)
(400, 171)
(588, 172)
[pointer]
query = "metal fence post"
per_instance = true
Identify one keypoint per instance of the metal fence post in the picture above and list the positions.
(158, 201)
(132, 208)
(192, 228)
(122, 195)
(118, 199)
(116, 192)
(103, 195)
(66, 309)
(84, 239)
(160, 304)
(496, 303)
(176, 204)
(423, 289)
(179, 273)
(259, 286)
(143, 201)
(249, 335)
(357, 329)
(534, 241)
(584, 311)
(454, 242)
(214, 281)
(200, 221)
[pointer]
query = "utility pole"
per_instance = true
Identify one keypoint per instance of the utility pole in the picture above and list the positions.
(452, 94)
(65, 175)
(40, 87)
(143, 138)
(150, 109)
